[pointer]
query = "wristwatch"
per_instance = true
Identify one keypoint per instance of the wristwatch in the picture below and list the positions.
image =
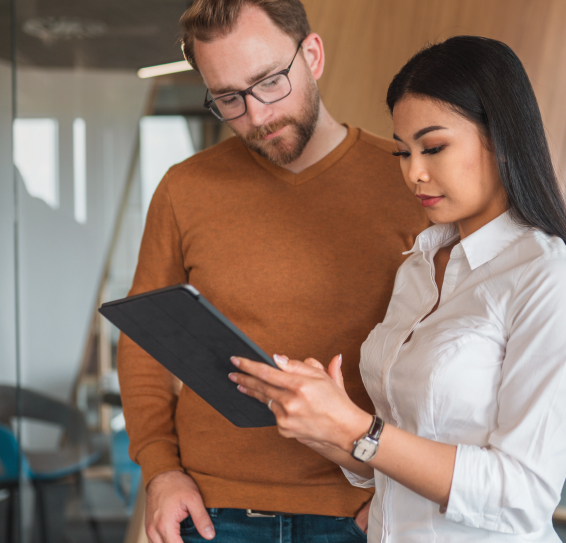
(366, 447)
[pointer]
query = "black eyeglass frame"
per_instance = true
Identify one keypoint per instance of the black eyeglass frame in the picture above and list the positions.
(208, 103)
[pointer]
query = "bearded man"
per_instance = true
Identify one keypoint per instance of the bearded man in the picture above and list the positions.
(294, 230)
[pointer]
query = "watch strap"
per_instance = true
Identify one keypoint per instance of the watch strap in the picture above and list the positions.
(375, 429)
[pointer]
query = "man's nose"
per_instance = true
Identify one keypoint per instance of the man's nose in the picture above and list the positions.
(258, 112)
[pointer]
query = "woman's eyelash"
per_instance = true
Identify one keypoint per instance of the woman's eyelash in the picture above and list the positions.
(432, 150)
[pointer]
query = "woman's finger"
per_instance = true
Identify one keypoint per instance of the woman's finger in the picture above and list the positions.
(254, 394)
(313, 363)
(281, 379)
(250, 383)
(264, 398)
(335, 371)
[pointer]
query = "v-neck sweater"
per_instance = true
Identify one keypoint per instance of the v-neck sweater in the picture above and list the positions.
(304, 264)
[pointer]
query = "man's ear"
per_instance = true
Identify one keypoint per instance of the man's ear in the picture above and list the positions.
(313, 51)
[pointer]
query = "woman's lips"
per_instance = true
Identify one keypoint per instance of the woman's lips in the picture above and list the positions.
(428, 201)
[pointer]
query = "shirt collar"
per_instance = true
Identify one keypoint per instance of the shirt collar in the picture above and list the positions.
(491, 240)
(480, 247)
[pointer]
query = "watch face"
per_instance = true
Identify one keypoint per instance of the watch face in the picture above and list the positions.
(364, 450)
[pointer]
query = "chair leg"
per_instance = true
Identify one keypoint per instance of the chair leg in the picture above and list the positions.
(10, 516)
(81, 488)
(40, 500)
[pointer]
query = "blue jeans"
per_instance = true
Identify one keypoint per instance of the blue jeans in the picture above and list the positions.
(234, 526)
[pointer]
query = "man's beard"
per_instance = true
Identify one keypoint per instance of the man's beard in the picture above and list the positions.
(284, 150)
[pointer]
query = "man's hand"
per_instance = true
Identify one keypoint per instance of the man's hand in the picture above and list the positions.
(363, 516)
(171, 497)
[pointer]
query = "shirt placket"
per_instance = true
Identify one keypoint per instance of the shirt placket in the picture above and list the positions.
(451, 274)
(386, 506)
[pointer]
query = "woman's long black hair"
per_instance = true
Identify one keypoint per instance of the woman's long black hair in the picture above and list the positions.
(483, 80)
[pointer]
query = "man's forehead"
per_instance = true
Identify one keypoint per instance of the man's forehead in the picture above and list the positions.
(230, 65)
(252, 46)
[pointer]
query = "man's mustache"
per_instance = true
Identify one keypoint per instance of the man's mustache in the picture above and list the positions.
(262, 131)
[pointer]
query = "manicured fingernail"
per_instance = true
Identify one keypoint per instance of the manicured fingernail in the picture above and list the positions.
(241, 388)
(235, 360)
(339, 360)
(232, 377)
(281, 360)
(209, 532)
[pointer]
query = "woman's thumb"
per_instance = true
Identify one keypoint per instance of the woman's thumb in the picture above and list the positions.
(335, 372)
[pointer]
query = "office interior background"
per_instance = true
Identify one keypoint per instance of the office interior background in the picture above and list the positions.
(84, 140)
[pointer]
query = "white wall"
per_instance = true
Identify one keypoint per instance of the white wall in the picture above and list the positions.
(7, 306)
(61, 260)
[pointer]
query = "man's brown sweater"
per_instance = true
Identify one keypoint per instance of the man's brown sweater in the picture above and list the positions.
(304, 265)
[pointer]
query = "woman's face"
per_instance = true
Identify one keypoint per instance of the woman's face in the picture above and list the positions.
(446, 164)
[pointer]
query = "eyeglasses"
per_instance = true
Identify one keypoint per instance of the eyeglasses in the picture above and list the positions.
(269, 90)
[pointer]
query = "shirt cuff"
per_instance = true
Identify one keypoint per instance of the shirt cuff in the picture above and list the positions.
(468, 503)
(358, 480)
(157, 458)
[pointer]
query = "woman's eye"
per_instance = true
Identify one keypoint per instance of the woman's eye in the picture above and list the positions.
(403, 154)
(432, 150)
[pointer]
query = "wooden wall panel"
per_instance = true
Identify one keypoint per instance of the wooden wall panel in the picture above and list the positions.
(368, 41)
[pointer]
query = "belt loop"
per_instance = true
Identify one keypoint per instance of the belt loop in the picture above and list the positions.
(213, 512)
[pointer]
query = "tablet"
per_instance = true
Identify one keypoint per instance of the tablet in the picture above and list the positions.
(194, 341)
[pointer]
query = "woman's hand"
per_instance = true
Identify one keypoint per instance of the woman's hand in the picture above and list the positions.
(309, 404)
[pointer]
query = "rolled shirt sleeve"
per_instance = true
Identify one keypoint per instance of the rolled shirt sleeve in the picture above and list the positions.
(358, 480)
(514, 483)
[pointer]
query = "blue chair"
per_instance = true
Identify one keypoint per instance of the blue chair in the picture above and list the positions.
(127, 474)
(9, 469)
(42, 468)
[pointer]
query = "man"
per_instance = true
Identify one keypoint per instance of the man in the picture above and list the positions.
(294, 230)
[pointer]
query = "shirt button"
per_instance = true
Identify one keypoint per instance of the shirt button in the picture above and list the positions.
(449, 281)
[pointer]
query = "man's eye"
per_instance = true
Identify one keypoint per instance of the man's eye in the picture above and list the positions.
(432, 150)
(229, 101)
(403, 154)
(269, 84)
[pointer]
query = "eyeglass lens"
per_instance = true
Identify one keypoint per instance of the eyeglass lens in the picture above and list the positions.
(268, 90)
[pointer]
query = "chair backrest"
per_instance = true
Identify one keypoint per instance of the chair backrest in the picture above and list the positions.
(35, 405)
(124, 468)
(9, 464)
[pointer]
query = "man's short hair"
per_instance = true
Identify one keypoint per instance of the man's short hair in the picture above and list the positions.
(208, 19)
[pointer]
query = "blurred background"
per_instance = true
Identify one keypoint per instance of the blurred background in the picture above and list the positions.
(84, 140)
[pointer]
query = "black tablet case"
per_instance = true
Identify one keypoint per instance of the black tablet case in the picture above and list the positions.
(194, 341)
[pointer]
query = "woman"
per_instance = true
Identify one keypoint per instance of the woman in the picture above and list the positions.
(468, 369)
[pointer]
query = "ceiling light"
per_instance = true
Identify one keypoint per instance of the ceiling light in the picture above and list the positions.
(163, 69)
(63, 28)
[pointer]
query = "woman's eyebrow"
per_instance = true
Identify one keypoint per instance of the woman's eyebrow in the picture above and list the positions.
(426, 130)
(421, 132)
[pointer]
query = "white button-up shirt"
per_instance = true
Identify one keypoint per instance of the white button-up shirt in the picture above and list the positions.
(486, 372)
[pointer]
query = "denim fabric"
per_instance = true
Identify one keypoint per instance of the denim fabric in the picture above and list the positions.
(234, 526)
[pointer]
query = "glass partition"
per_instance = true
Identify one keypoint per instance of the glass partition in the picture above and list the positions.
(84, 142)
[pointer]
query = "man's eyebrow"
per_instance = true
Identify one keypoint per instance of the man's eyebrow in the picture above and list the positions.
(264, 72)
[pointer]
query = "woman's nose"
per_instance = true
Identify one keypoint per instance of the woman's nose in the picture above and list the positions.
(418, 173)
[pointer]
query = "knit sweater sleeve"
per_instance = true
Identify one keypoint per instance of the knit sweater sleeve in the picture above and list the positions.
(149, 392)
